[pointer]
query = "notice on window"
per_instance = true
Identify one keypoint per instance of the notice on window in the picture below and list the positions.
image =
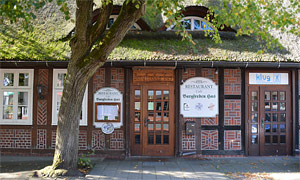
(107, 112)
(199, 98)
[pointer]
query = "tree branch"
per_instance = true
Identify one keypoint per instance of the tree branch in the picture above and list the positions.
(102, 20)
(129, 14)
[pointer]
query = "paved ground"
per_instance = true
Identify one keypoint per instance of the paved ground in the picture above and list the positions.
(218, 168)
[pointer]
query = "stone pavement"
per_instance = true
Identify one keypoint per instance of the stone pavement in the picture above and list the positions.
(286, 168)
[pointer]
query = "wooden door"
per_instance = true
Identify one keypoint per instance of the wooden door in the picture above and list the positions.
(269, 120)
(152, 120)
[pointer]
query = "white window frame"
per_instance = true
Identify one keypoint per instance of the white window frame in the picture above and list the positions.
(83, 121)
(15, 89)
(193, 18)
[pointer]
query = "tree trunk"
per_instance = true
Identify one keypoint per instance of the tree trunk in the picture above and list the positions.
(81, 68)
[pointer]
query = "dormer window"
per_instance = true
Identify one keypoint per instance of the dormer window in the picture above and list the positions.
(113, 18)
(193, 23)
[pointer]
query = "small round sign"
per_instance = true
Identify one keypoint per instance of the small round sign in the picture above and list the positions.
(108, 128)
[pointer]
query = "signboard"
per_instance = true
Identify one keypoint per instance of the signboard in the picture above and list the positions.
(199, 97)
(153, 75)
(108, 103)
(269, 78)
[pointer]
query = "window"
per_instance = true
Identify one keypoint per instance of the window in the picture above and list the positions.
(16, 88)
(58, 84)
(113, 18)
(193, 23)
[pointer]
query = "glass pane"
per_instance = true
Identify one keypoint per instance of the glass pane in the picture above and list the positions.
(254, 139)
(23, 79)
(158, 117)
(282, 138)
(158, 106)
(274, 106)
(267, 96)
(137, 127)
(275, 139)
(150, 116)
(158, 139)
(253, 95)
(60, 79)
(158, 94)
(22, 98)
(254, 128)
(267, 139)
(166, 139)
(282, 106)
(275, 117)
(8, 79)
(166, 95)
(282, 117)
(150, 139)
(8, 98)
(282, 127)
(254, 118)
(166, 117)
(137, 139)
(150, 106)
(150, 127)
(282, 96)
(166, 106)
(150, 94)
(137, 94)
(186, 24)
(267, 106)
(267, 128)
(196, 24)
(137, 106)
(158, 127)
(203, 25)
(166, 127)
(110, 22)
(267, 117)
(274, 128)
(254, 106)
(7, 112)
(274, 95)
(22, 112)
(137, 116)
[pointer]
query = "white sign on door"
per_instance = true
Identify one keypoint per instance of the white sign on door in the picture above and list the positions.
(199, 97)
(269, 78)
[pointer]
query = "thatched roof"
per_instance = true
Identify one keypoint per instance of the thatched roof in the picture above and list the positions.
(41, 44)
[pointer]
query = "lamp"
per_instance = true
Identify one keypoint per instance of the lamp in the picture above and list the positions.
(40, 89)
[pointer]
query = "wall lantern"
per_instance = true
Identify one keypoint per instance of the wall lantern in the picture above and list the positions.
(40, 90)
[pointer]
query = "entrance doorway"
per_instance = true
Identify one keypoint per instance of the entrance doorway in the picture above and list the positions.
(152, 118)
(269, 120)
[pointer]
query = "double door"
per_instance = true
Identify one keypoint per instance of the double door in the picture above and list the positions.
(269, 120)
(152, 120)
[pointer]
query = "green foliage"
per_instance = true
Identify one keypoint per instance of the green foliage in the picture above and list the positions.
(35, 44)
(84, 161)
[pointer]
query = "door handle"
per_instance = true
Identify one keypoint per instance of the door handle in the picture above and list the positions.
(262, 122)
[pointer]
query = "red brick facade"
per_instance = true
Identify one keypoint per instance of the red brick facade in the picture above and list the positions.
(188, 141)
(232, 81)
(232, 112)
(232, 140)
(15, 138)
(209, 140)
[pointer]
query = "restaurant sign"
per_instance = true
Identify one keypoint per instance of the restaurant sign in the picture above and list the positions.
(199, 98)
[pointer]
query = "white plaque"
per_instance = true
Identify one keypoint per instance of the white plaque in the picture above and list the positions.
(269, 78)
(107, 128)
(199, 97)
(108, 99)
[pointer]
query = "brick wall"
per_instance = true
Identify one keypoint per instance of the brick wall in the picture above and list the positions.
(188, 141)
(232, 112)
(117, 79)
(82, 141)
(209, 140)
(41, 139)
(99, 79)
(98, 140)
(232, 140)
(117, 140)
(42, 103)
(15, 138)
(232, 81)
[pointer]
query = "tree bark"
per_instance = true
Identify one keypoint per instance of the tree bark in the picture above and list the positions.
(82, 66)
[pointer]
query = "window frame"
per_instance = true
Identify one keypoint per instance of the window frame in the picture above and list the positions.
(55, 89)
(137, 27)
(193, 18)
(15, 89)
